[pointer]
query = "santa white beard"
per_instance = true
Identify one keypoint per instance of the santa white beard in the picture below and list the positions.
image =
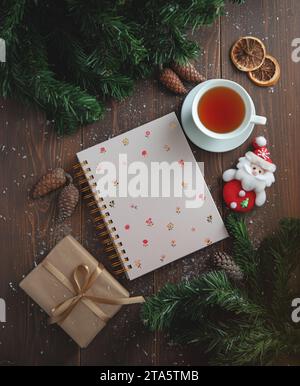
(249, 181)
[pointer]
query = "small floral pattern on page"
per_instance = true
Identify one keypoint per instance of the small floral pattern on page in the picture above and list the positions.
(208, 241)
(138, 263)
(170, 226)
(209, 218)
(149, 222)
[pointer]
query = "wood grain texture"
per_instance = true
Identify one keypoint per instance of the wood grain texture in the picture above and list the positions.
(29, 147)
(28, 231)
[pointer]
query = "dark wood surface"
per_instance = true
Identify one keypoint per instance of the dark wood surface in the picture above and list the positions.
(29, 147)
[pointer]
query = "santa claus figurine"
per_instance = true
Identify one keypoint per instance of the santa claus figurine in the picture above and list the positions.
(245, 186)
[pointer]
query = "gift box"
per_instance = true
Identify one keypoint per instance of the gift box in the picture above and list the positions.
(76, 291)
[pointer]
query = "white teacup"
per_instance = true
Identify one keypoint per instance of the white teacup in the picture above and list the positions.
(250, 116)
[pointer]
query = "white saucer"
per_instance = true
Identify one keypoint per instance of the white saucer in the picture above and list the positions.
(200, 139)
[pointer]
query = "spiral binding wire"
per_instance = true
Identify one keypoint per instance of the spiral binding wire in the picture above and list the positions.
(101, 218)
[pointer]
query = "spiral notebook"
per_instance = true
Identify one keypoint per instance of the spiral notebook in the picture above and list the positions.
(143, 229)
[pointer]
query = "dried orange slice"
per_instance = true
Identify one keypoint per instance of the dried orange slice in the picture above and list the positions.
(267, 74)
(248, 53)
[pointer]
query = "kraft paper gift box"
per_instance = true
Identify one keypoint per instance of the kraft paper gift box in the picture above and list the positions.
(82, 314)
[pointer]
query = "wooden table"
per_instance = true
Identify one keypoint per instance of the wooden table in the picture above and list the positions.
(29, 147)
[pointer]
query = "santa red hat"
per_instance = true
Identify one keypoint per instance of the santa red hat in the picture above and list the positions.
(260, 155)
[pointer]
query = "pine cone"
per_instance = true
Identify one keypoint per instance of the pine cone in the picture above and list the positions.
(67, 201)
(170, 80)
(49, 182)
(225, 262)
(188, 72)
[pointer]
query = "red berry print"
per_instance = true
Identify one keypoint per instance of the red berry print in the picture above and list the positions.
(147, 133)
(144, 153)
(149, 222)
(102, 150)
(145, 243)
(127, 227)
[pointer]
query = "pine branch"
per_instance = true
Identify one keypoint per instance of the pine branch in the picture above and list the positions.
(247, 343)
(219, 291)
(90, 71)
(64, 103)
(230, 324)
(243, 249)
(279, 257)
(115, 32)
(12, 12)
(244, 252)
(190, 300)
(109, 44)
(234, 342)
(160, 310)
(172, 46)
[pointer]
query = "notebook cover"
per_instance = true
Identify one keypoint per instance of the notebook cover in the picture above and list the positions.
(155, 231)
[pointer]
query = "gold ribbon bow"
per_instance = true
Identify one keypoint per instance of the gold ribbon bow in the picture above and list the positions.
(81, 282)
